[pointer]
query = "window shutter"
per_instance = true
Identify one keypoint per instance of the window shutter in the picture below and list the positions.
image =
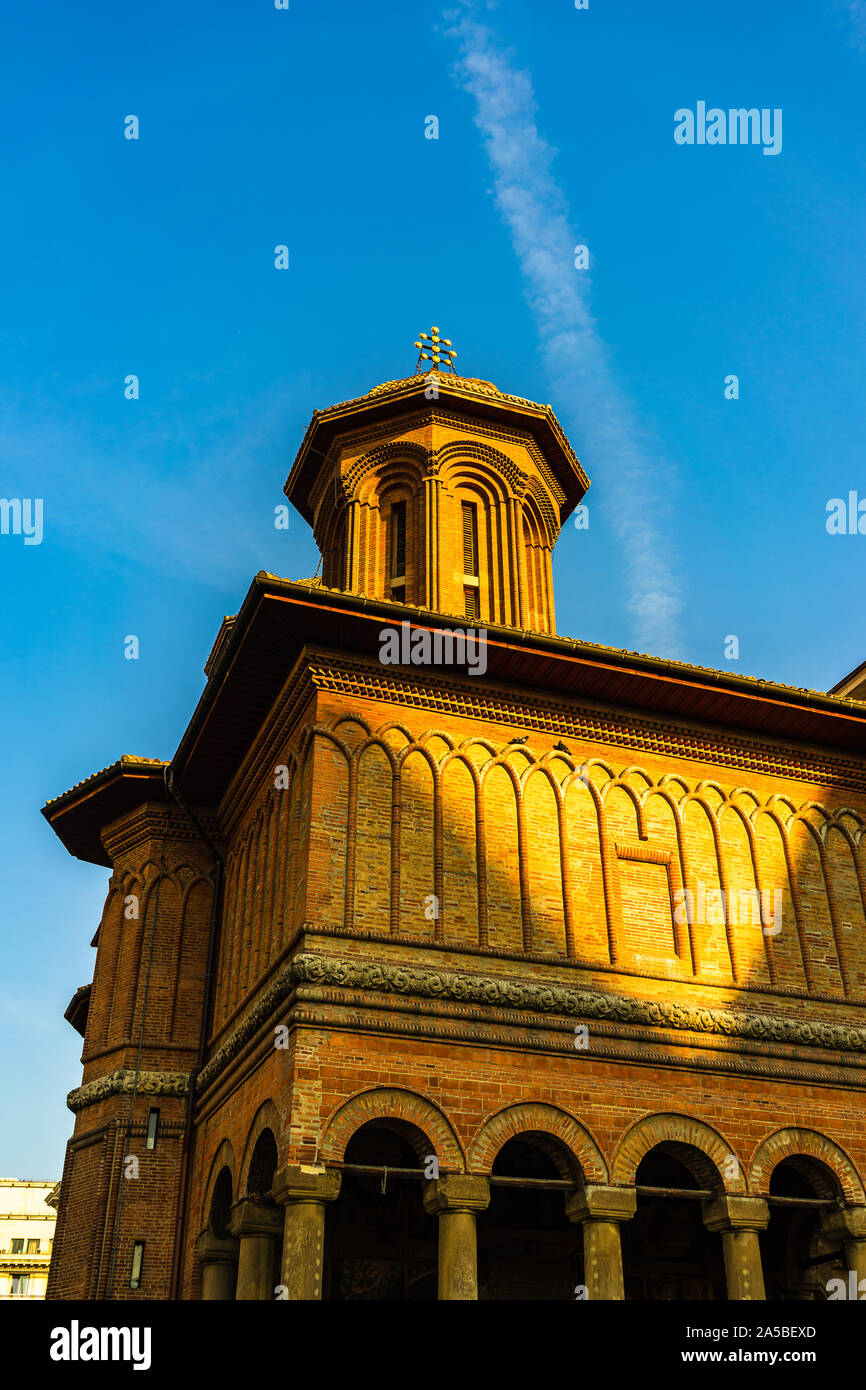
(398, 540)
(470, 548)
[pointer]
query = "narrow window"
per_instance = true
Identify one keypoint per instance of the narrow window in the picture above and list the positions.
(470, 601)
(33, 1247)
(152, 1125)
(17, 1245)
(470, 540)
(398, 540)
(137, 1258)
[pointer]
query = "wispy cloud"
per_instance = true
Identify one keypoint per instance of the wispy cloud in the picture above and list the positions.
(856, 12)
(577, 360)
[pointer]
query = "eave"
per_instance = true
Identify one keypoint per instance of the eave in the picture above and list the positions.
(78, 1008)
(279, 619)
(408, 397)
(79, 815)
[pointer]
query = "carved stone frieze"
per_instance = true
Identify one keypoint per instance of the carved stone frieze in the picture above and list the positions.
(119, 1083)
(523, 997)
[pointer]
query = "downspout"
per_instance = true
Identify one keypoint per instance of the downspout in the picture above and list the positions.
(180, 1214)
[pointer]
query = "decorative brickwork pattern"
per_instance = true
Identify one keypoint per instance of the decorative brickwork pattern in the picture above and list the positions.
(543, 1122)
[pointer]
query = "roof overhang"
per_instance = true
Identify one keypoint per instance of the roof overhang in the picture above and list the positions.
(852, 686)
(279, 619)
(78, 1009)
(454, 394)
(79, 816)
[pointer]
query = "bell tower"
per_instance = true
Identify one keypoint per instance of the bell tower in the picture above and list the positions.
(441, 492)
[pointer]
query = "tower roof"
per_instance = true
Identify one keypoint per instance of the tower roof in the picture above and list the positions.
(460, 395)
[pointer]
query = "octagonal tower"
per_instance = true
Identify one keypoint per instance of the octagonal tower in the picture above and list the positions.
(442, 492)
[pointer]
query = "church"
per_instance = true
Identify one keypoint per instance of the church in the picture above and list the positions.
(541, 976)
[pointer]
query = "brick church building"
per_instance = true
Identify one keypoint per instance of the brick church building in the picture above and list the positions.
(522, 969)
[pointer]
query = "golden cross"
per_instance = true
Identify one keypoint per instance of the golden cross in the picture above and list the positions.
(435, 349)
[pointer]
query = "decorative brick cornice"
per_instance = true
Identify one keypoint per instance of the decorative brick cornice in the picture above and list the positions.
(521, 996)
(123, 1083)
(416, 689)
(152, 821)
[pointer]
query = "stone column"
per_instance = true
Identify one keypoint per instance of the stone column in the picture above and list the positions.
(740, 1219)
(455, 1198)
(219, 1258)
(257, 1225)
(849, 1226)
(600, 1211)
(304, 1190)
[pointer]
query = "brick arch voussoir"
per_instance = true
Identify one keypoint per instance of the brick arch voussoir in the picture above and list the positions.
(382, 730)
(388, 1104)
(456, 756)
(354, 480)
(266, 1117)
(455, 460)
(374, 741)
(537, 496)
(585, 1155)
(223, 1158)
(703, 1150)
(541, 769)
(635, 797)
(805, 1143)
(349, 716)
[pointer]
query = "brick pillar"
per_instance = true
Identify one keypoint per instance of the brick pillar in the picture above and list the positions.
(516, 578)
(740, 1219)
(257, 1226)
(601, 1211)
(219, 1258)
(849, 1226)
(353, 546)
(429, 593)
(304, 1191)
(455, 1198)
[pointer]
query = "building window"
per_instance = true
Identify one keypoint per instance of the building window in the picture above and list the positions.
(152, 1126)
(33, 1247)
(398, 541)
(19, 1285)
(137, 1261)
(17, 1246)
(470, 540)
(470, 601)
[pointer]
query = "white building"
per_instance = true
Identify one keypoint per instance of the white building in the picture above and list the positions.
(28, 1211)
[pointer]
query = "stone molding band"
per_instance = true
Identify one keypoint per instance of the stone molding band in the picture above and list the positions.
(123, 1083)
(315, 969)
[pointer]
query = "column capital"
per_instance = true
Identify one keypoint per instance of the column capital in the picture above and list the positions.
(306, 1182)
(253, 1217)
(847, 1223)
(213, 1249)
(597, 1203)
(456, 1192)
(730, 1212)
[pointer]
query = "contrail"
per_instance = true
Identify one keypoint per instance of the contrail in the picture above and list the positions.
(537, 215)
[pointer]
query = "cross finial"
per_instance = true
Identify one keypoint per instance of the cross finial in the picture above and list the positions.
(435, 349)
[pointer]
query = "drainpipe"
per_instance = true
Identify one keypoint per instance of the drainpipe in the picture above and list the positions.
(180, 1214)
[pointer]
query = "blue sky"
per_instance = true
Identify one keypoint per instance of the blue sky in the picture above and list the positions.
(306, 127)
